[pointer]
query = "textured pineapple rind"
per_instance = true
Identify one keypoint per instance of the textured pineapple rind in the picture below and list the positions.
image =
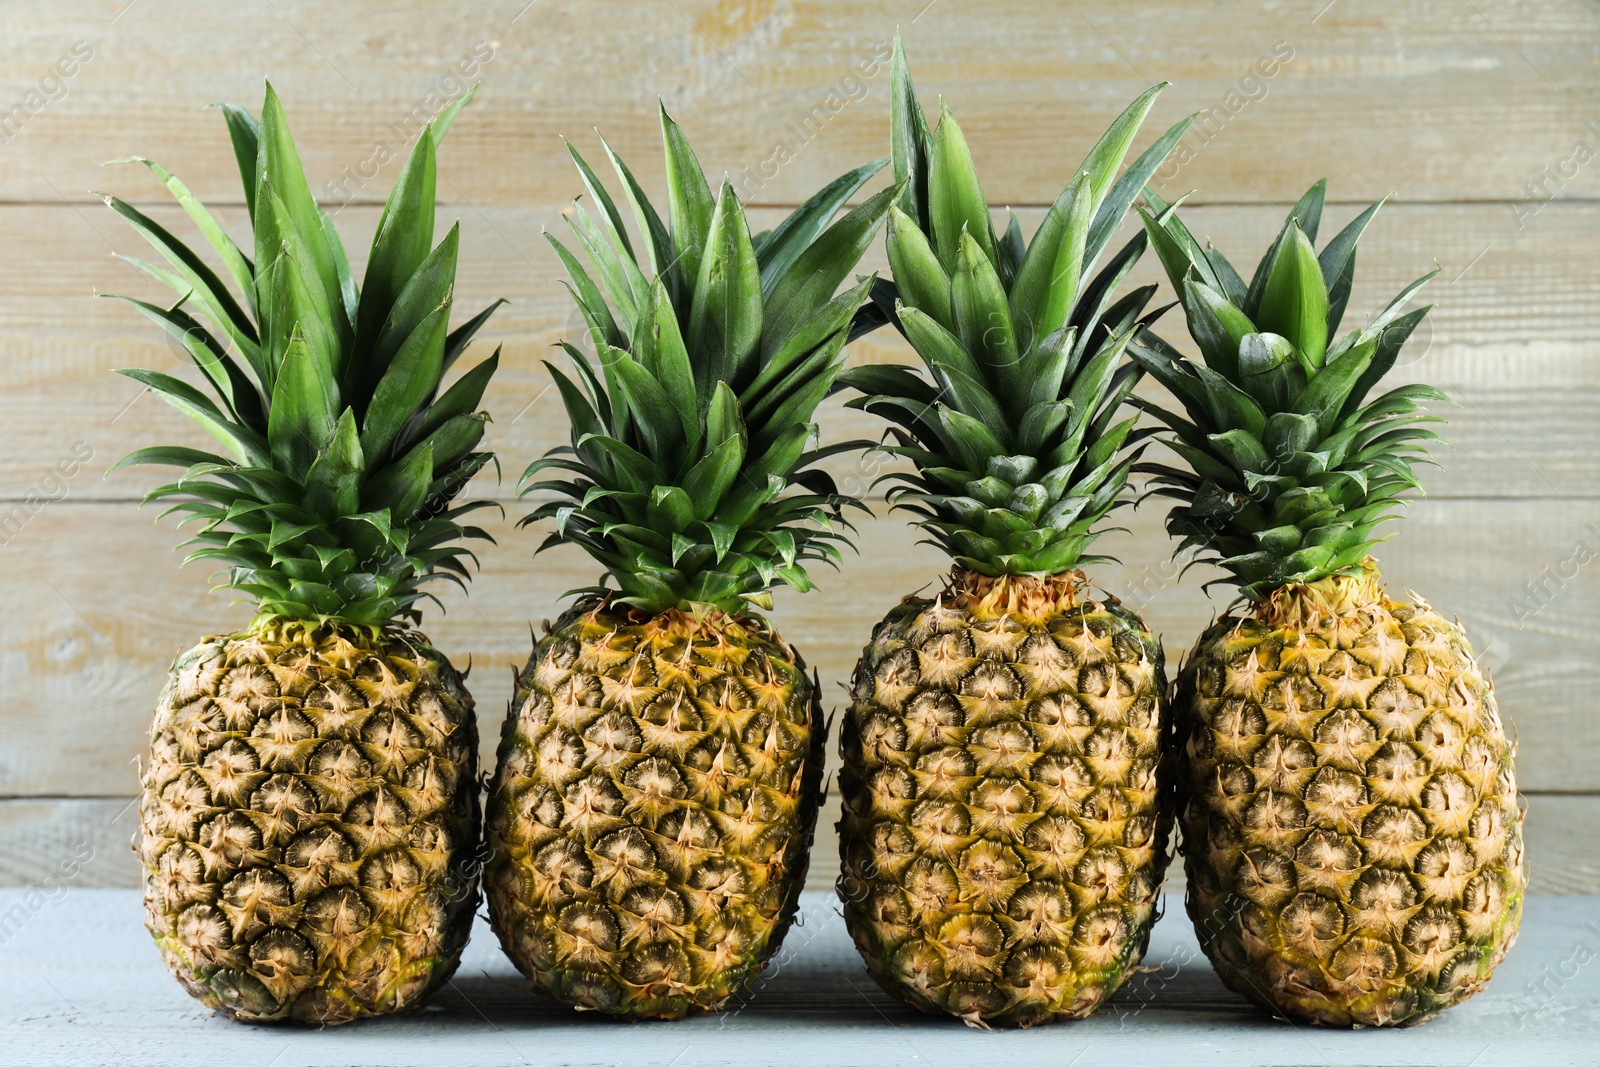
(690, 963)
(379, 869)
(1251, 917)
(1071, 969)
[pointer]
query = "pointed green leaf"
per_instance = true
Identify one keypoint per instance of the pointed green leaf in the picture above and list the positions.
(955, 199)
(247, 447)
(333, 484)
(709, 480)
(619, 276)
(1232, 286)
(1058, 292)
(402, 242)
(1010, 249)
(725, 319)
(777, 250)
(245, 133)
(235, 388)
(341, 263)
(458, 339)
(983, 317)
(1338, 261)
(910, 140)
(237, 265)
(430, 287)
(1325, 396)
(463, 397)
(1047, 366)
(170, 456)
(304, 409)
(401, 488)
(410, 378)
(300, 222)
(1217, 326)
(938, 347)
(291, 299)
(1105, 158)
(452, 440)
(689, 200)
(657, 420)
(723, 420)
(602, 327)
(921, 279)
(1307, 211)
(196, 278)
(671, 366)
(1269, 372)
(1294, 302)
(814, 332)
(1391, 338)
(1108, 216)
(815, 274)
(671, 509)
(447, 115)
(602, 199)
(1045, 269)
(657, 240)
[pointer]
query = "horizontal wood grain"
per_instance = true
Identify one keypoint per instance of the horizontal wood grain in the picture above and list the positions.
(88, 987)
(98, 608)
(1511, 336)
(1438, 103)
(84, 842)
(71, 842)
(1559, 841)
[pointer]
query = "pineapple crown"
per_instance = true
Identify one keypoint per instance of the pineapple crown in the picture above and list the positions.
(1017, 452)
(1290, 468)
(333, 501)
(688, 439)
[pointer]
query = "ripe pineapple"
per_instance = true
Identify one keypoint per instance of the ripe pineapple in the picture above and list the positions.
(1350, 821)
(1004, 832)
(310, 812)
(659, 774)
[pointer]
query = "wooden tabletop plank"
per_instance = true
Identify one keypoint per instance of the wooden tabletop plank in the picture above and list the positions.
(82, 983)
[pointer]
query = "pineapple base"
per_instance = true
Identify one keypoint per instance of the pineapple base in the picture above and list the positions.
(1351, 831)
(309, 823)
(651, 813)
(1004, 834)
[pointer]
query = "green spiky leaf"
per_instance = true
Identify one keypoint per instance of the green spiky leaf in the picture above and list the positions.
(335, 505)
(690, 475)
(1022, 351)
(1290, 471)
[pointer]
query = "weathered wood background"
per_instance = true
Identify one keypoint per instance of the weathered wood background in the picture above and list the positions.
(1479, 118)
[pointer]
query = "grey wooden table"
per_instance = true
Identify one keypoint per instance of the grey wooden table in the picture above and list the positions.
(80, 983)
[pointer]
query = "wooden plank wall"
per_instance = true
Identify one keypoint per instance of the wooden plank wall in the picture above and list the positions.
(1479, 120)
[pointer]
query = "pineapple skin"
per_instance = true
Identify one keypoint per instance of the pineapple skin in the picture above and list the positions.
(309, 824)
(652, 808)
(1351, 830)
(1005, 806)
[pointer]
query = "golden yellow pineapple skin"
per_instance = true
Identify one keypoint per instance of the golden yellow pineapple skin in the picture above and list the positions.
(1005, 823)
(651, 813)
(1351, 830)
(309, 823)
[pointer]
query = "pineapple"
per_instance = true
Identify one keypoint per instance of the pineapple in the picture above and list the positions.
(1350, 821)
(1004, 824)
(659, 773)
(310, 820)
